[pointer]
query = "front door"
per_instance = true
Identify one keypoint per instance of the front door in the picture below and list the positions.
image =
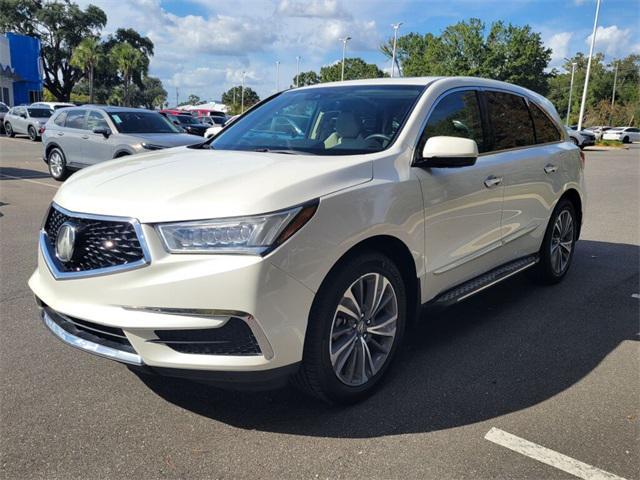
(463, 206)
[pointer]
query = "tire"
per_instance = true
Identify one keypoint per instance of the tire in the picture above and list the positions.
(377, 341)
(57, 164)
(551, 270)
(625, 140)
(9, 130)
(33, 135)
(575, 142)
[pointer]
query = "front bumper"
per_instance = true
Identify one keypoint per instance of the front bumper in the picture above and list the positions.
(183, 293)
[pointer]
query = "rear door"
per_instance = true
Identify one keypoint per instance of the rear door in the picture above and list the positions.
(19, 121)
(532, 159)
(97, 147)
(463, 206)
(72, 139)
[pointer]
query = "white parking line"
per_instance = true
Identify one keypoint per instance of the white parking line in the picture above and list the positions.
(550, 457)
(635, 295)
(28, 180)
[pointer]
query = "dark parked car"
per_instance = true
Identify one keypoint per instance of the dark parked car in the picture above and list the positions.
(82, 136)
(189, 124)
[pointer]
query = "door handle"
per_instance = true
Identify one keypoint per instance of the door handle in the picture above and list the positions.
(60, 134)
(85, 137)
(550, 168)
(492, 181)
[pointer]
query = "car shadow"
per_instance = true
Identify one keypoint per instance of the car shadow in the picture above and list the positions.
(504, 350)
(11, 173)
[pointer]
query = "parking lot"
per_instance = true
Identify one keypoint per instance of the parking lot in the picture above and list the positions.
(556, 366)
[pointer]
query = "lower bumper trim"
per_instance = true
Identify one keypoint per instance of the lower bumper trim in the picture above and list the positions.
(88, 346)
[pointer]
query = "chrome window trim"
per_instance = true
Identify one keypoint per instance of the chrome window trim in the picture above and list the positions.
(478, 88)
(58, 275)
(88, 346)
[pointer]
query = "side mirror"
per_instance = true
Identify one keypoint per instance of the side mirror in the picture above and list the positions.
(106, 132)
(448, 152)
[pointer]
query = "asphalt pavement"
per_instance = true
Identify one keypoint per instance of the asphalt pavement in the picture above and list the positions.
(555, 366)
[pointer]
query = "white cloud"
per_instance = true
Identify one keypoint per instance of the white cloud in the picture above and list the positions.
(613, 41)
(312, 9)
(559, 44)
(579, 2)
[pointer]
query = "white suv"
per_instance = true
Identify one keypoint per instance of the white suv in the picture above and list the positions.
(301, 241)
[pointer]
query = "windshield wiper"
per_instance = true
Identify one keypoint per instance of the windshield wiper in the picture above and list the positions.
(287, 152)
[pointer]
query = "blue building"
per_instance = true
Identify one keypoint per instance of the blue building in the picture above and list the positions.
(20, 69)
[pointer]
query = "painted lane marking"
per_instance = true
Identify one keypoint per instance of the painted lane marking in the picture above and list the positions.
(27, 180)
(550, 457)
(635, 295)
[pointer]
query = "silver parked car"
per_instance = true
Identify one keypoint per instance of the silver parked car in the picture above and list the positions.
(26, 121)
(3, 111)
(79, 137)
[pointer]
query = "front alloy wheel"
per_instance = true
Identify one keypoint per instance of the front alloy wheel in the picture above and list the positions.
(363, 329)
(355, 326)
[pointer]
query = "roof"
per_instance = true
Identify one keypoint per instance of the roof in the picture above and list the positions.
(114, 109)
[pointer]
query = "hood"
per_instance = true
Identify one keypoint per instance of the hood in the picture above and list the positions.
(169, 139)
(194, 184)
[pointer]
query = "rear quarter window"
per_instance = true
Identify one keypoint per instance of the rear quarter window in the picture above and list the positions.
(546, 130)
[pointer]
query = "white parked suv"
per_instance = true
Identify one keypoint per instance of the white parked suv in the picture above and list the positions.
(301, 241)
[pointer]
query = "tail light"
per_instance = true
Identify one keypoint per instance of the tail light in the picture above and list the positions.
(582, 159)
(42, 129)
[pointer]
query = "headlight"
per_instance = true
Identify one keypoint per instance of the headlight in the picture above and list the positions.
(151, 146)
(254, 235)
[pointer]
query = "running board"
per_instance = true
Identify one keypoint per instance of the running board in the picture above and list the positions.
(477, 284)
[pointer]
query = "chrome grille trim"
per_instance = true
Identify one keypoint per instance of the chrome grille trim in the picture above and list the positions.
(60, 275)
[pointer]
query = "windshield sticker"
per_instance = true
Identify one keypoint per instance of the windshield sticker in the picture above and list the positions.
(116, 118)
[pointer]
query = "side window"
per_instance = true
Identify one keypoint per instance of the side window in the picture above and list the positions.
(96, 120)
(75, 119)
(59, 120)
(546, 131)
(633, 130)
(456, 115)
(511, 121)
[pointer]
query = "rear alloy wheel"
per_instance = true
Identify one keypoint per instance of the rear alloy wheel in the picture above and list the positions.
(9, 130)
(558, 245)
(355, 326)
(33, 135)
(57, 164)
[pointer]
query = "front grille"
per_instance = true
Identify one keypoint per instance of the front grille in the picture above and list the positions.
(233, 338)
(98, 244)
(92, 332)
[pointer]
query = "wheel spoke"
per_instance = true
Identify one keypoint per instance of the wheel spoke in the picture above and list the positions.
(368, 357)
(378, 329)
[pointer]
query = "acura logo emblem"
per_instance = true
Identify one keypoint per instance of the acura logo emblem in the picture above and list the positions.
(65, 241)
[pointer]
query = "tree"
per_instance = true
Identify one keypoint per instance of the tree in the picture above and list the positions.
(60, 26)
(193, 100)
(86, 57)
(354, 68)
(137, 41)
(306, 78)
(151, 96)
(232, 98)
(127, 60)
(507, 52)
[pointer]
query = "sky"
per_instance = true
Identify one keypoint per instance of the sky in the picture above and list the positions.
(203, 46)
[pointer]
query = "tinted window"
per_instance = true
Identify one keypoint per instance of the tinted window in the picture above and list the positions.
(546, 131)
(59, 120)
(510, 119)
(75, 119)
(343, 120)
(186, 119)
(456, 115)
(3, 108)
(40, 112)
(633, 130)
(96, 120)
(142, 122)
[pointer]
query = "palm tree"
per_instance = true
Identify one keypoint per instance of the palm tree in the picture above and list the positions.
(127, 60)
(86, 57)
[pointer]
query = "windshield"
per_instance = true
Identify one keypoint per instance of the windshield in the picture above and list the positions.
(186, 119)
(40, 112)
(142, 122)
(324, 121)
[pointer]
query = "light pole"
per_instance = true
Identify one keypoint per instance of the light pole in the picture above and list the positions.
(298, 71)
(573, 71)
(613, 94)
(242, 94)
(344, 48)
(586, 78)
(395, 26)
(277, 76)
